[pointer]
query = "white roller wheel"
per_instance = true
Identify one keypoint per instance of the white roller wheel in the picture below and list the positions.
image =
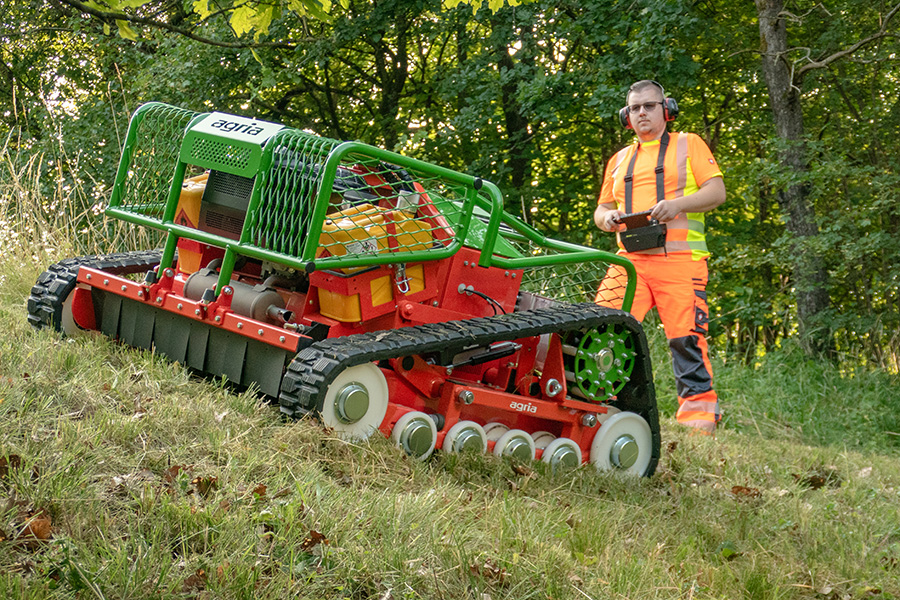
(542, 439)
(356, 402)
(416, 433)
(624, 443)
(465, 435)
(494, 431)
(516, 443)
(562, 453)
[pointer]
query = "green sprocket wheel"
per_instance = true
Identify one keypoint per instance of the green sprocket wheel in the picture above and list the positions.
(600, 361)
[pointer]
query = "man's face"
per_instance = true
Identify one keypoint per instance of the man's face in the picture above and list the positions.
(648, 124)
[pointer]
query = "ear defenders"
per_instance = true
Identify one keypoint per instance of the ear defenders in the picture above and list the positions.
(670, 107)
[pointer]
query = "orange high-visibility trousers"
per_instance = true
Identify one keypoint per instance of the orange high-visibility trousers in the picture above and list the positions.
(676, 286)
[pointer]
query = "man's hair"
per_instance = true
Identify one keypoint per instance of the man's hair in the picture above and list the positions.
(643, 84)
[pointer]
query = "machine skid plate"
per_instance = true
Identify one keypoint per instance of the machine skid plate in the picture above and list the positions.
(169, 301)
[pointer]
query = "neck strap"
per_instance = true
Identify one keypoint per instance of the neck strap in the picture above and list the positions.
(660, 175)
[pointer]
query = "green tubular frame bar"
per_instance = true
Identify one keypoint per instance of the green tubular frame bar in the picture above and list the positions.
(281, 226)
(568, 253)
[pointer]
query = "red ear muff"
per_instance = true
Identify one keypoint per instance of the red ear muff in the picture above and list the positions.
(671, 109)
(624, 118)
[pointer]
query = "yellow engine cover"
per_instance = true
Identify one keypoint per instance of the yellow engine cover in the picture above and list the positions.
(368, 229)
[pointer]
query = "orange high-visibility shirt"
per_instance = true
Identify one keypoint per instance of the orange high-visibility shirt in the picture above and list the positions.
(689, 164)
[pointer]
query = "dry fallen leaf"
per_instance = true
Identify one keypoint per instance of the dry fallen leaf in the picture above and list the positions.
(523, 470)
(740, 491)
(312, 540)
(205, 485)
(37, 528)
(489, 571)
(13, 461)
(195, 583)
(171, 474)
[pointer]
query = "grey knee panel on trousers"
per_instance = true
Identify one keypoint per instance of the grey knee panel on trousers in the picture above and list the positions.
(691, 375)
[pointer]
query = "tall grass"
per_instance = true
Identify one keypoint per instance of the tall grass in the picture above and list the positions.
(787, 395)
(47, 214)
(122, 476)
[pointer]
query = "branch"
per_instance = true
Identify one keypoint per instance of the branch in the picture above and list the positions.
(882, 32)
(117, 16)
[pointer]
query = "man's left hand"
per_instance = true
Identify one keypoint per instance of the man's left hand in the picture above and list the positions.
(665, 210)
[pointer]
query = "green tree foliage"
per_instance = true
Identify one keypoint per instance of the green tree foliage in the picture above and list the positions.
(526, 95)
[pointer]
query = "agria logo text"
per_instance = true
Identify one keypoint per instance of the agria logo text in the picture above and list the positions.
(235, 127)
(519, 406)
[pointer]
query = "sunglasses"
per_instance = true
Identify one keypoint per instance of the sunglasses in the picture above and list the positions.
(647, 106)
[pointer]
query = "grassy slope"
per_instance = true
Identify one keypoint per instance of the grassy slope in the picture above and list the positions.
(153, 484)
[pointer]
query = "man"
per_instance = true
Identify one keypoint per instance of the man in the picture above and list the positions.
(673, 276)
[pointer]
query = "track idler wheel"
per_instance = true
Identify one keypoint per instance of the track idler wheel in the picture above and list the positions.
(466, 436)
(356, 402)
(516, 443)
(624, 443)
(562, 453)
(416, 433)
(599, 362)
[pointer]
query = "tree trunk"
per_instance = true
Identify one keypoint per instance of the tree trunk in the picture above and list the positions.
(513, 73)
(808, 271)
(392, 71)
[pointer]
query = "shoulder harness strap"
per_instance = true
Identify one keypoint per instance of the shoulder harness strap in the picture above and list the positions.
(660, 174)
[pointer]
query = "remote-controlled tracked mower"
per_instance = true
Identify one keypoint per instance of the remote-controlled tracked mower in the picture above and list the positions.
(374, 291)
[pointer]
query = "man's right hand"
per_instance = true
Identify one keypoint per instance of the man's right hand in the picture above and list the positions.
(610, 221)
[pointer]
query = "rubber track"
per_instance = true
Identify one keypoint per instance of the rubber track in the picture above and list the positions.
(45, 304)
(315, 367)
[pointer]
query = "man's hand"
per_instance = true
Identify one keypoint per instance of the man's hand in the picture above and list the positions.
(665, 210)
(611, 221)
(710, 195)
(607, 219)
